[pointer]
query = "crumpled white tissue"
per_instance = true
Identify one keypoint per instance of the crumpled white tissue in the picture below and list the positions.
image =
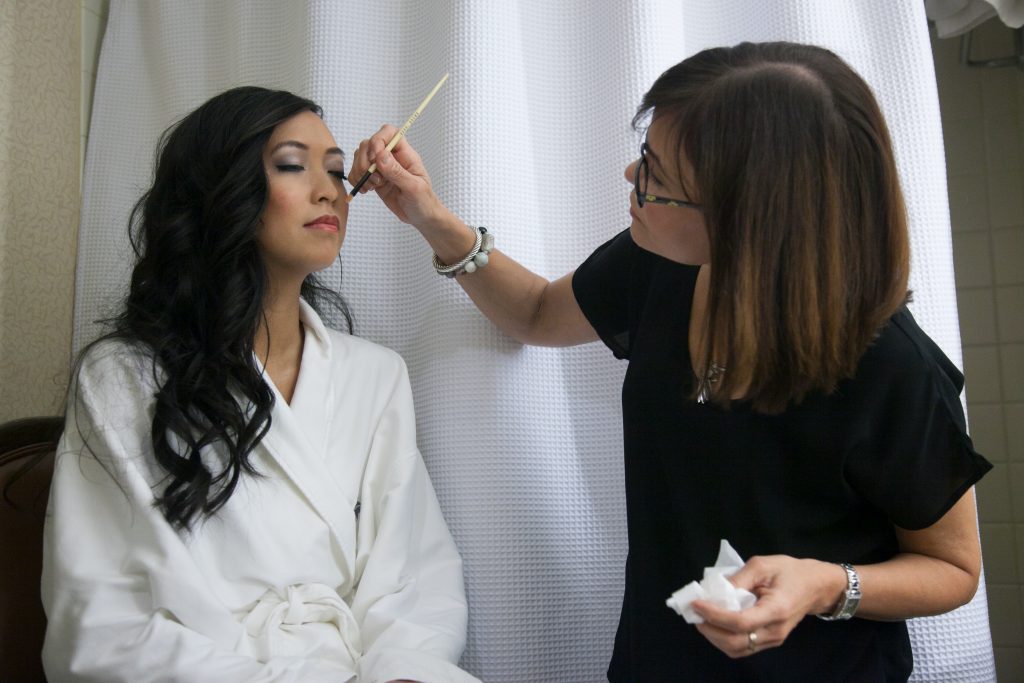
(714, 587)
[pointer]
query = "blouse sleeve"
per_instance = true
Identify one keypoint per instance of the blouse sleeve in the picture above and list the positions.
(608, 287)
(915, 460)
(410, 598)
(110, 558)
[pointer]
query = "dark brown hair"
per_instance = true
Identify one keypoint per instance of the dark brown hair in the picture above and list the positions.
(806, 220)
(195, 301)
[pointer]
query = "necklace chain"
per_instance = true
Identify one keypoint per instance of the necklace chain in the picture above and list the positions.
(708, 381)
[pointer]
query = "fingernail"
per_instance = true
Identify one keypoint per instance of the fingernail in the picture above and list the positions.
(385, 160)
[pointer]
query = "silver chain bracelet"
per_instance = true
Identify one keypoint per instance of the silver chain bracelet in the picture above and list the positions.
(477, 257)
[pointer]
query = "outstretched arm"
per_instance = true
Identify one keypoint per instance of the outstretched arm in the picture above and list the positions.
(522, 304)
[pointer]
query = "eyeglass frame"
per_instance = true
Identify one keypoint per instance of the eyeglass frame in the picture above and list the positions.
(645, 198)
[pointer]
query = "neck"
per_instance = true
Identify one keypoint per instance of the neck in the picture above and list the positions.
(279, 336)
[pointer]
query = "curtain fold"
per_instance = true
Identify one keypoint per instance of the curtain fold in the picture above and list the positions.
(530, 137)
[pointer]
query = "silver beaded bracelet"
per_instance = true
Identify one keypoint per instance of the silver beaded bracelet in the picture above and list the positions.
(477, 257)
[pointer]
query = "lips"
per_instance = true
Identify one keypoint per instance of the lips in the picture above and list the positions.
(325, 222)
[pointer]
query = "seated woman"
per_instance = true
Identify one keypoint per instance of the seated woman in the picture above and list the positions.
(238, 494)
(779, 393)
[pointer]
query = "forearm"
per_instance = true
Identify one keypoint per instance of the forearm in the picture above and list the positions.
(911, 585)
(522, 304)
(936, 570)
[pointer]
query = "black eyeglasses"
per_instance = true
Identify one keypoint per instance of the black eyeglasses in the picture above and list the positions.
(640, 179)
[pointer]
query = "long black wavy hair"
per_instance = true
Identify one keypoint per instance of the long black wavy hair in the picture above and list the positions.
(196, 296)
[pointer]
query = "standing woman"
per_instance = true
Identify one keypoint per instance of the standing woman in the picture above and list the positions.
(779, 393)
(238, 494)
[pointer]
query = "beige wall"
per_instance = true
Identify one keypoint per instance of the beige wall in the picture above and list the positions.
(983, 127)
(94, 22)
(39, 192)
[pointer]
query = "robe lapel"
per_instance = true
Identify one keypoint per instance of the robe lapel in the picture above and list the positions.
(312, 405)
(299, 433)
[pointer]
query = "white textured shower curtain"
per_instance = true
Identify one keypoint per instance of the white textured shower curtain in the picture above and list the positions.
(530, 137)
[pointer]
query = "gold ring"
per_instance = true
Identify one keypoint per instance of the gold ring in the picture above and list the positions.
(752, 641)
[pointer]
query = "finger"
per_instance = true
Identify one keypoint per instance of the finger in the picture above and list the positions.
(723, 618)
(362, 160)
(391, 171)
(746, 643)
(359, 161)
(386, 132)
(408, 156)
(735, 645)
(743, 621)
(758, 571)
(380, 139)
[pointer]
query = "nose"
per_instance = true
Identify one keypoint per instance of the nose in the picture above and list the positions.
(630, 173)
(325, 188)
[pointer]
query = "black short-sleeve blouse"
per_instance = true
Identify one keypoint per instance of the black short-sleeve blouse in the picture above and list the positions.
(825, 479)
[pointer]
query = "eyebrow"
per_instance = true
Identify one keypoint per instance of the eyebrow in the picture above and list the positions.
(654, 157)
(661, 171)
(300, 145)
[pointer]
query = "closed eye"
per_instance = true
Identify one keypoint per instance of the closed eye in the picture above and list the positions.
(290, 168)
(651, 178)
(340, 175)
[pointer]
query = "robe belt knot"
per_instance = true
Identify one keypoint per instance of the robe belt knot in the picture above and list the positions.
(290, 621)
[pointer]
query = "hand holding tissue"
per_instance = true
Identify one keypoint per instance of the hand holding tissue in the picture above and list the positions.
(714, 587)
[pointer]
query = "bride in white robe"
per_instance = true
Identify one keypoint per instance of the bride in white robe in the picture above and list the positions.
(332, 563)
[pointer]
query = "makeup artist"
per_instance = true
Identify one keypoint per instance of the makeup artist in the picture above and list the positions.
(238, 493)
(779, 393)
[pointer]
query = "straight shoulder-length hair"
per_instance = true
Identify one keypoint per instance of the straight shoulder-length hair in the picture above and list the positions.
(796, 176)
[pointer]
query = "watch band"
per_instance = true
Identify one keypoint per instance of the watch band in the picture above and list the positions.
(851, 597)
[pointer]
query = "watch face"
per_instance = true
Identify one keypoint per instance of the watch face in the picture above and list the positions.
(850, 606)
(851, 597)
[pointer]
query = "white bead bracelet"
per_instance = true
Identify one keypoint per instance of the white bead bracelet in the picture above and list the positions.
(477, 257)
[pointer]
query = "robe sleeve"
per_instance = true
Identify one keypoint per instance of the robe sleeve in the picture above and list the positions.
(111, 560)
(409, 598)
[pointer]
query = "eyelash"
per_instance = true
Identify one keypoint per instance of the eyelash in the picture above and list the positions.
(295, 168)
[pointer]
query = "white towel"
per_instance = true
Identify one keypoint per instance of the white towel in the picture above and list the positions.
(715, 587)
(953, 17)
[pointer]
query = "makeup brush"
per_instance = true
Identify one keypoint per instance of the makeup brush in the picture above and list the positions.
(398, 136)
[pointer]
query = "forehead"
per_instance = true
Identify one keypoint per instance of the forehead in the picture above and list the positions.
(661, 138)
(663, 148)
(305, 127)
(667, 156)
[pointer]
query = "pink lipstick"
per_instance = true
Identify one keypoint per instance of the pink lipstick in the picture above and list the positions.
(325, 222)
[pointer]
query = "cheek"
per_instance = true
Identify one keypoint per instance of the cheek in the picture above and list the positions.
(280, 200)
(341, 207)
(287, 193)
(682, 239)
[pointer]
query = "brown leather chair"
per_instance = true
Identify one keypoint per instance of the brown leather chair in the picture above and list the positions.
(27, 448)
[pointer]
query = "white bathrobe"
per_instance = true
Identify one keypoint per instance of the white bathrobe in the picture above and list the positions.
(334, 565)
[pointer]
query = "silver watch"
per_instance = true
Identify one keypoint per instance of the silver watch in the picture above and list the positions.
(851, 597)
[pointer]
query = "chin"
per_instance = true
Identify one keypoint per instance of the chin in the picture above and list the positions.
(642, 239)
(673, 252)
(639, 235)
(324, 265)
